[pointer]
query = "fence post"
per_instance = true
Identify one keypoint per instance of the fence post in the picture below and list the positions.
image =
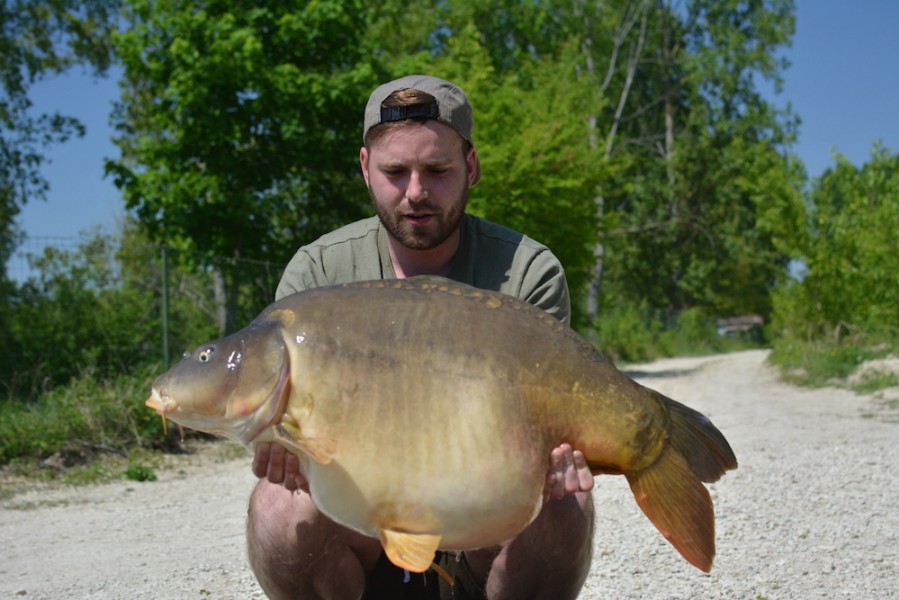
(165, 307)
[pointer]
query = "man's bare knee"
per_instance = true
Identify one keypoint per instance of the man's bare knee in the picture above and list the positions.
(272, 520)
(296, 552)
(550, 559)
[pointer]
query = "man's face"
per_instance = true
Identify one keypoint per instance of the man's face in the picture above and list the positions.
(418, 178)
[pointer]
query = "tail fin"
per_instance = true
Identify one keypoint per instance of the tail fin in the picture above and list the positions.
(697, 440)
(670, 491)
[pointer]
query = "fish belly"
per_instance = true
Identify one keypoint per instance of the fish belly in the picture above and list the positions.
(454, 465)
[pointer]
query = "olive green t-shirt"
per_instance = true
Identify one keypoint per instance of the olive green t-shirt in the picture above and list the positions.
(490, 257)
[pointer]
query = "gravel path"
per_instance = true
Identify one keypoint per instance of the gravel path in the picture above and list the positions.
(811, 512)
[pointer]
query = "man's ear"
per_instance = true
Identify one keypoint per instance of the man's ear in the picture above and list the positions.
(363, 162)
(472, 162)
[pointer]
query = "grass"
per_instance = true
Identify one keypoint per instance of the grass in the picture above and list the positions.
(82, 419)
(89, 431)
(876, 381)
(633, 334)
(820, 363)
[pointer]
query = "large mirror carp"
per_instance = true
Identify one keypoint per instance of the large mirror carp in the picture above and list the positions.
(424, 411)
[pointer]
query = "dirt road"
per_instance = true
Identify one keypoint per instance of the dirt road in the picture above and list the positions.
(812, 511)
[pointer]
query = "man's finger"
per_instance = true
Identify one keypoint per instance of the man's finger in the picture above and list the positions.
(291, 468)
(571, 478)
(275, 472)
(260, 459)
(585, 477)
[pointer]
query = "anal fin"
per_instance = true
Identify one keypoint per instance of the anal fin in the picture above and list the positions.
(677, 503)
(411, 551)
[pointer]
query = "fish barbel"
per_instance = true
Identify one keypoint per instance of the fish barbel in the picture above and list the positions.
(423, 412)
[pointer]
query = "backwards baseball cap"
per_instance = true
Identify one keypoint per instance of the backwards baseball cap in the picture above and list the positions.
(452, 107)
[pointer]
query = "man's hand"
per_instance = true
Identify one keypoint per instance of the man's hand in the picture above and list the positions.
(568, 473)
(279, 466)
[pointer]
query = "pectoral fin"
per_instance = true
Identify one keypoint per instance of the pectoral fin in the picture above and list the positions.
(321, 449)
(411, 551)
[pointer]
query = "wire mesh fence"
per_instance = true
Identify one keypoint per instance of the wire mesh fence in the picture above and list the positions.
(108, 306)
(20, 265)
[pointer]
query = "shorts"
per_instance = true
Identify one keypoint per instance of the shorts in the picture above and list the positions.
(389, 582)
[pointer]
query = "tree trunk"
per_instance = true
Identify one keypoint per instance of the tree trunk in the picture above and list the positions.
(641, 13)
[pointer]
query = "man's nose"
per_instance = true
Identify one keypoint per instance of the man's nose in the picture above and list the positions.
(415, 189)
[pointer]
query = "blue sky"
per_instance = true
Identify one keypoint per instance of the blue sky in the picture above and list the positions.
(843, 83)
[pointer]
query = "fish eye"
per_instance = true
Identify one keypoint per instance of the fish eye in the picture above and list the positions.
(205, 355)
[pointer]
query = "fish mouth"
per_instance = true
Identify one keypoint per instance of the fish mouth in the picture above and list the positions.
(161, 405)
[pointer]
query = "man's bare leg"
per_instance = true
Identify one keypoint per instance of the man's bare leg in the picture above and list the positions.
(296, 552)
(550, 559)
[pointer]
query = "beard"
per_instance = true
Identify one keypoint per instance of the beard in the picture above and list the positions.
(430, 235)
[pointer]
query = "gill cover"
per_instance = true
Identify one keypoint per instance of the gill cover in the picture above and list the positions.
(235, 387)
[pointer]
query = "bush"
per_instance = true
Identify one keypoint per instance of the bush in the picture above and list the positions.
(629, 333)
(87, 414)
(842, 310)
(823, 361)
(692, 333)
(638, 334)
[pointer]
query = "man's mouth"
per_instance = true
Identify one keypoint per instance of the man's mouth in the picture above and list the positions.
(418, 219)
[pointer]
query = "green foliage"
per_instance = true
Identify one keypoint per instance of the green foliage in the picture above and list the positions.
(692, 333)
(701, 219)
(825, 361)
(628, 333)
(40, 39)
(640, 334)
(95, 309)
(89, 413)
(845, 303)
(140, 472)
(240, 125)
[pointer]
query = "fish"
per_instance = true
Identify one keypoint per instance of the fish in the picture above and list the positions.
(423, 412)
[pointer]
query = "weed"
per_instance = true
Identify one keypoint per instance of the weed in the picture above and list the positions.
(875, 381)
(819, 363)
(140, 473)
(99, 416)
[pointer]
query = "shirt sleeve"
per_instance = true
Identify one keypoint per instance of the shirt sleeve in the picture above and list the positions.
(544, 285)
(303, 272)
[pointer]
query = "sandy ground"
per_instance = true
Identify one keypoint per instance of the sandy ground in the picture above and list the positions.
(810, 513)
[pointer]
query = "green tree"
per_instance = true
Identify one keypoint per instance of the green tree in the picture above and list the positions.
(851, 254)
(73, 316)
(704, 186)
(39, 40)
(96, 308)
(239, 125)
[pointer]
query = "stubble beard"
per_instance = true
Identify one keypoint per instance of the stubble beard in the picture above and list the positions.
(441, 227)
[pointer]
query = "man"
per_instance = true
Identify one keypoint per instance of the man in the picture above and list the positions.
(418, 161)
